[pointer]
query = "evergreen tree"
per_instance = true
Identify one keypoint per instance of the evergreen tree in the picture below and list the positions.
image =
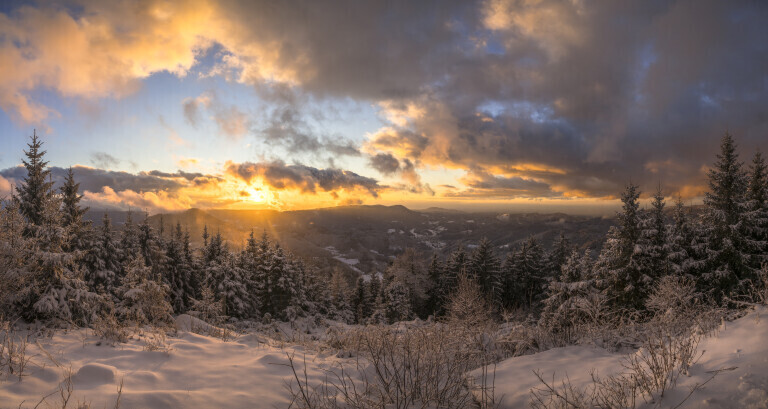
(225, 278)
(454, 267)
(485, 267)
(561, 250)
(177, 274)
(103, 260)
(686, 244)
(339, 294)
(150, 248)
(617, 275)
(284, 287)
(129, 240)
(756, 215)
(142, 300)
(434, 298)
(78, 229)
(408, 269)
(397, 302)
(567, 294)
(362, 304)
(524, 275)
(728, 268)
(650, 260)
(36, 188)
(54, 288)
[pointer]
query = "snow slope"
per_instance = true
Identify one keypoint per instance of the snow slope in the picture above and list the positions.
(199, 371)
(247, 372)
(740, 346)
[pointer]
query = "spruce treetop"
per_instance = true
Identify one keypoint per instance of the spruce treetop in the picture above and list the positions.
(36, 187)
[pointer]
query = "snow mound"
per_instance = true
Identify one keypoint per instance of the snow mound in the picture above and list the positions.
(94, 374)
(188, 323)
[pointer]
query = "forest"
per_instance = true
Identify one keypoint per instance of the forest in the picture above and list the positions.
(59, 272)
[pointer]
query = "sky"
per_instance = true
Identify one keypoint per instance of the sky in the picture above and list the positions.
(528, 105)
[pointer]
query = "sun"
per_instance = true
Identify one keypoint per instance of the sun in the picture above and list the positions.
(256, 195)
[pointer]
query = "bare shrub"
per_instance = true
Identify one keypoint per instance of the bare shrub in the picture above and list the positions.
(109, 328)
(669, 349)
(13, 351)
(415, 367)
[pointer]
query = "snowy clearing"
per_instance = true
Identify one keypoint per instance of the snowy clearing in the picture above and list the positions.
(250, 371)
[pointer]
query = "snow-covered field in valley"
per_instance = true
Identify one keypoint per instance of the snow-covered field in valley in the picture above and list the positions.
(248, 372)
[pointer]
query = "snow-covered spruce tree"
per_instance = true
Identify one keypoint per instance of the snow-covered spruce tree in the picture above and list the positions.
(566, 295)
(434, 299)
(79, 231)
(15, 249)
(250, 262)
(485, 267)
(260, 278)
(524, 281)
(225, 278)
(362, 302)
(208, 308)
(397, 302)
(141, 299)
(195, 278)
(756, 215)
(55, 286)
(36, 188)
(728, 271)
(284, 291)
(317, 291)
(103, 260)
(130, 246)
(339, 293)
(686, 244)
(455, 266)
(151, 248)
(650, 258)
(619, 279)
(558, 255)
(408, 269)
(177, 274)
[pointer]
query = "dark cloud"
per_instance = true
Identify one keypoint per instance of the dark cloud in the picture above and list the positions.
(191, 108)
(286, 126)
(94, 180)
(103, 160)
(179, 174)
(485, 185)
(385, 163)
(304, 178)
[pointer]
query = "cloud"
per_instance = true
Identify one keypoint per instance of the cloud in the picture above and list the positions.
(186, 162)
(603, 91)
(104, 160)
(306, 179)
(481, 184)
(93, 179)
(103, 50)
(385, 163)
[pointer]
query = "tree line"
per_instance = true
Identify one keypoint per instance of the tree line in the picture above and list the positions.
(56, 266)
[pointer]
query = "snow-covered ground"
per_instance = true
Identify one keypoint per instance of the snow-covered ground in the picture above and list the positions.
(740, 347)
(249, 372)
(197, 372)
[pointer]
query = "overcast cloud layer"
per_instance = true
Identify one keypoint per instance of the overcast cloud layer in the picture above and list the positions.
(530, 98)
